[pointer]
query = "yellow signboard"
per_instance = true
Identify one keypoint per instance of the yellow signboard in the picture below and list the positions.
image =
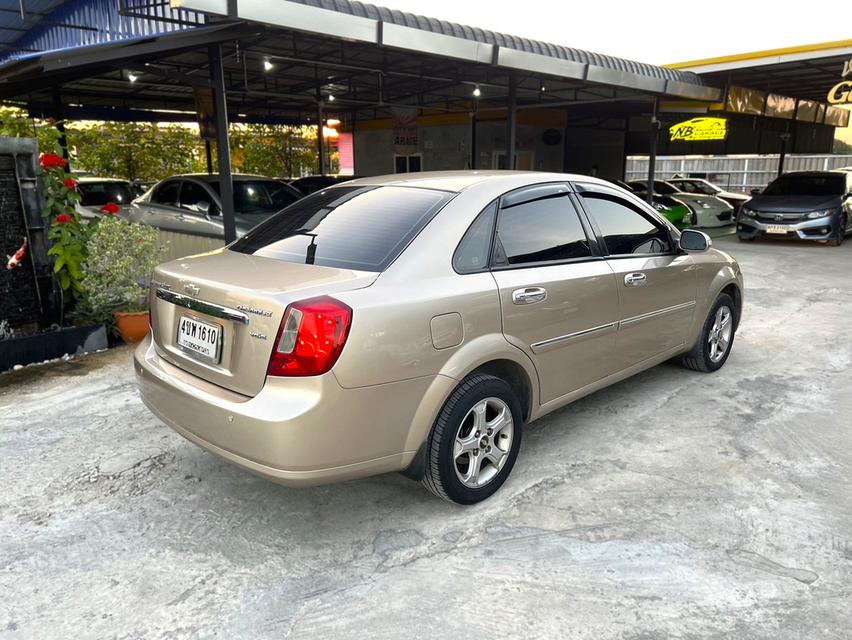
(699, 129)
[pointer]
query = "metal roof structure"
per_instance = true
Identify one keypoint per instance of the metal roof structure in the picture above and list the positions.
(806, 71)
(369, 58)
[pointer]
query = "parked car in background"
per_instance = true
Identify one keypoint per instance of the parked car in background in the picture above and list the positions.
(96, 192)
(804, 205)
(415, 323)
(188, 211)
(709, 211)
(312, 184)
(670, 208)
(704, 187)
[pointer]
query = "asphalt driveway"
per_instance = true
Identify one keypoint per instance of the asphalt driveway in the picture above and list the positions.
(672, 505)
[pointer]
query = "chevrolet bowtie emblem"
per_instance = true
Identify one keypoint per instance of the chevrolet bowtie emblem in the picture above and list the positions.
(191, 289)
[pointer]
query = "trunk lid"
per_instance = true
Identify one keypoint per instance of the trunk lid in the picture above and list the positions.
(244, 298)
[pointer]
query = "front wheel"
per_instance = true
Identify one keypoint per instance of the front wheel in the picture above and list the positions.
(841, 234)
(475, 440)
(717, 337)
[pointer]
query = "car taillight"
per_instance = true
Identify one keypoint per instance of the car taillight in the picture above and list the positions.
(311, 337)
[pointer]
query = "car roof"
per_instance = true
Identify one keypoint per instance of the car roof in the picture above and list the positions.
(828, 172)
(457, 181)
(88, 179)
(210, 177)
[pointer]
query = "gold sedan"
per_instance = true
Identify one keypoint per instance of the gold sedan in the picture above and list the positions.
(416, 323)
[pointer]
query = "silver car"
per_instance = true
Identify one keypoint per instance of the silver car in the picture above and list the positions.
(187, 209)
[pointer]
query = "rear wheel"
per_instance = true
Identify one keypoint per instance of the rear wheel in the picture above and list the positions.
(475, 441)
(717, 337)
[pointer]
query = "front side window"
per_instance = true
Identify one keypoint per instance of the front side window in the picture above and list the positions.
(166, 194)
(191, 194)
(625, 230)
(348, 227)
(543, 230)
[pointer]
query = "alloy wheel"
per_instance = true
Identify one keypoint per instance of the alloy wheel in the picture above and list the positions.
(483, 442)
(720, 333)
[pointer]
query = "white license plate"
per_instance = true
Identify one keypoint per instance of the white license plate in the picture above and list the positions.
(201, 339)
(776, 228)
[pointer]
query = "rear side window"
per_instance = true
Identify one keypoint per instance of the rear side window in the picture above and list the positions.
(544, 230)
(363, 228)
(96, 194)
(475, 247)
(625, 230)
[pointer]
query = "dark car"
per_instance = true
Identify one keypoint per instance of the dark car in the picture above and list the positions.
(312, 184)
(804, 205)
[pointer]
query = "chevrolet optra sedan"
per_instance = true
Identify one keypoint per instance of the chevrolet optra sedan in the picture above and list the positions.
(417, 323)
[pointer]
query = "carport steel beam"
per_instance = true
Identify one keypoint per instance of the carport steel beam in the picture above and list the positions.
(327, 23)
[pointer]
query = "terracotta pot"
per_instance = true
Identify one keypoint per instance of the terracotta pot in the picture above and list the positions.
(133, 327)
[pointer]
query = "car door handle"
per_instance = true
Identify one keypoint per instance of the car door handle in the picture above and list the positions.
(635, 279)
(529, 295)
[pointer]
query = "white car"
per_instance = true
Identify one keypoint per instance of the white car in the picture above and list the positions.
(709, 211)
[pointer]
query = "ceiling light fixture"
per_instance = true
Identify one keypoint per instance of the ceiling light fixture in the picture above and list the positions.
(132, 76)
(267, 64)
(331, 97)
(476, 92)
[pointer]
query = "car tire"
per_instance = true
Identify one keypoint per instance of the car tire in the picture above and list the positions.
(705, 355)
(453, 446)
(841, 234)
(745, 239)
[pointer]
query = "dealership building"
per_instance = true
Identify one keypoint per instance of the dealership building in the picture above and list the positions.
(410, 92)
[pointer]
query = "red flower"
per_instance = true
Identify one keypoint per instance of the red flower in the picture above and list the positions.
(71, 183)
(111, 208)
(50, 160)
(64, 218)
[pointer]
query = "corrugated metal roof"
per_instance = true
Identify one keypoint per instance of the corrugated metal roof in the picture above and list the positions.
(56, 24)
(476, 34)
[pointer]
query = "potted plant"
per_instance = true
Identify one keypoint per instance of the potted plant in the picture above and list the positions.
(121, 257)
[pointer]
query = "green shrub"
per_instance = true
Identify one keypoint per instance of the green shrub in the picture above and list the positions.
(121, 257)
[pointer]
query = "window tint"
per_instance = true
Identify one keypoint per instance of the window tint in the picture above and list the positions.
(363, 228)
(624, 229)
(540, 231)
(191, 194)
(261, 196)
(166, 193)
(472, 253)
(97, 194)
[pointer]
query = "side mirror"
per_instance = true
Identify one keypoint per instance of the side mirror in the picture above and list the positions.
(755, 192)
(202, 206)
(694, 241)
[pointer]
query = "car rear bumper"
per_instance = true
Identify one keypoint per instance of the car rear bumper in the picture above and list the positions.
(817, 229)
(296, 431)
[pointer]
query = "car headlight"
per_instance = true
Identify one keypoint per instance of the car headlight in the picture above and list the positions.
(820, 214)
(749, 213)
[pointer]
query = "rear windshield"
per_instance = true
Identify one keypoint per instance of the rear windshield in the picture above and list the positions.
(806, 185)
(260, 196)
(97, 194)
(363, 228)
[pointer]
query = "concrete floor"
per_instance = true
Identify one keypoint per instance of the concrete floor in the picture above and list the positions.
(673, 505)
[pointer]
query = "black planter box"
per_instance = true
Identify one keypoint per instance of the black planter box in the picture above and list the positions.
(50, 345)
